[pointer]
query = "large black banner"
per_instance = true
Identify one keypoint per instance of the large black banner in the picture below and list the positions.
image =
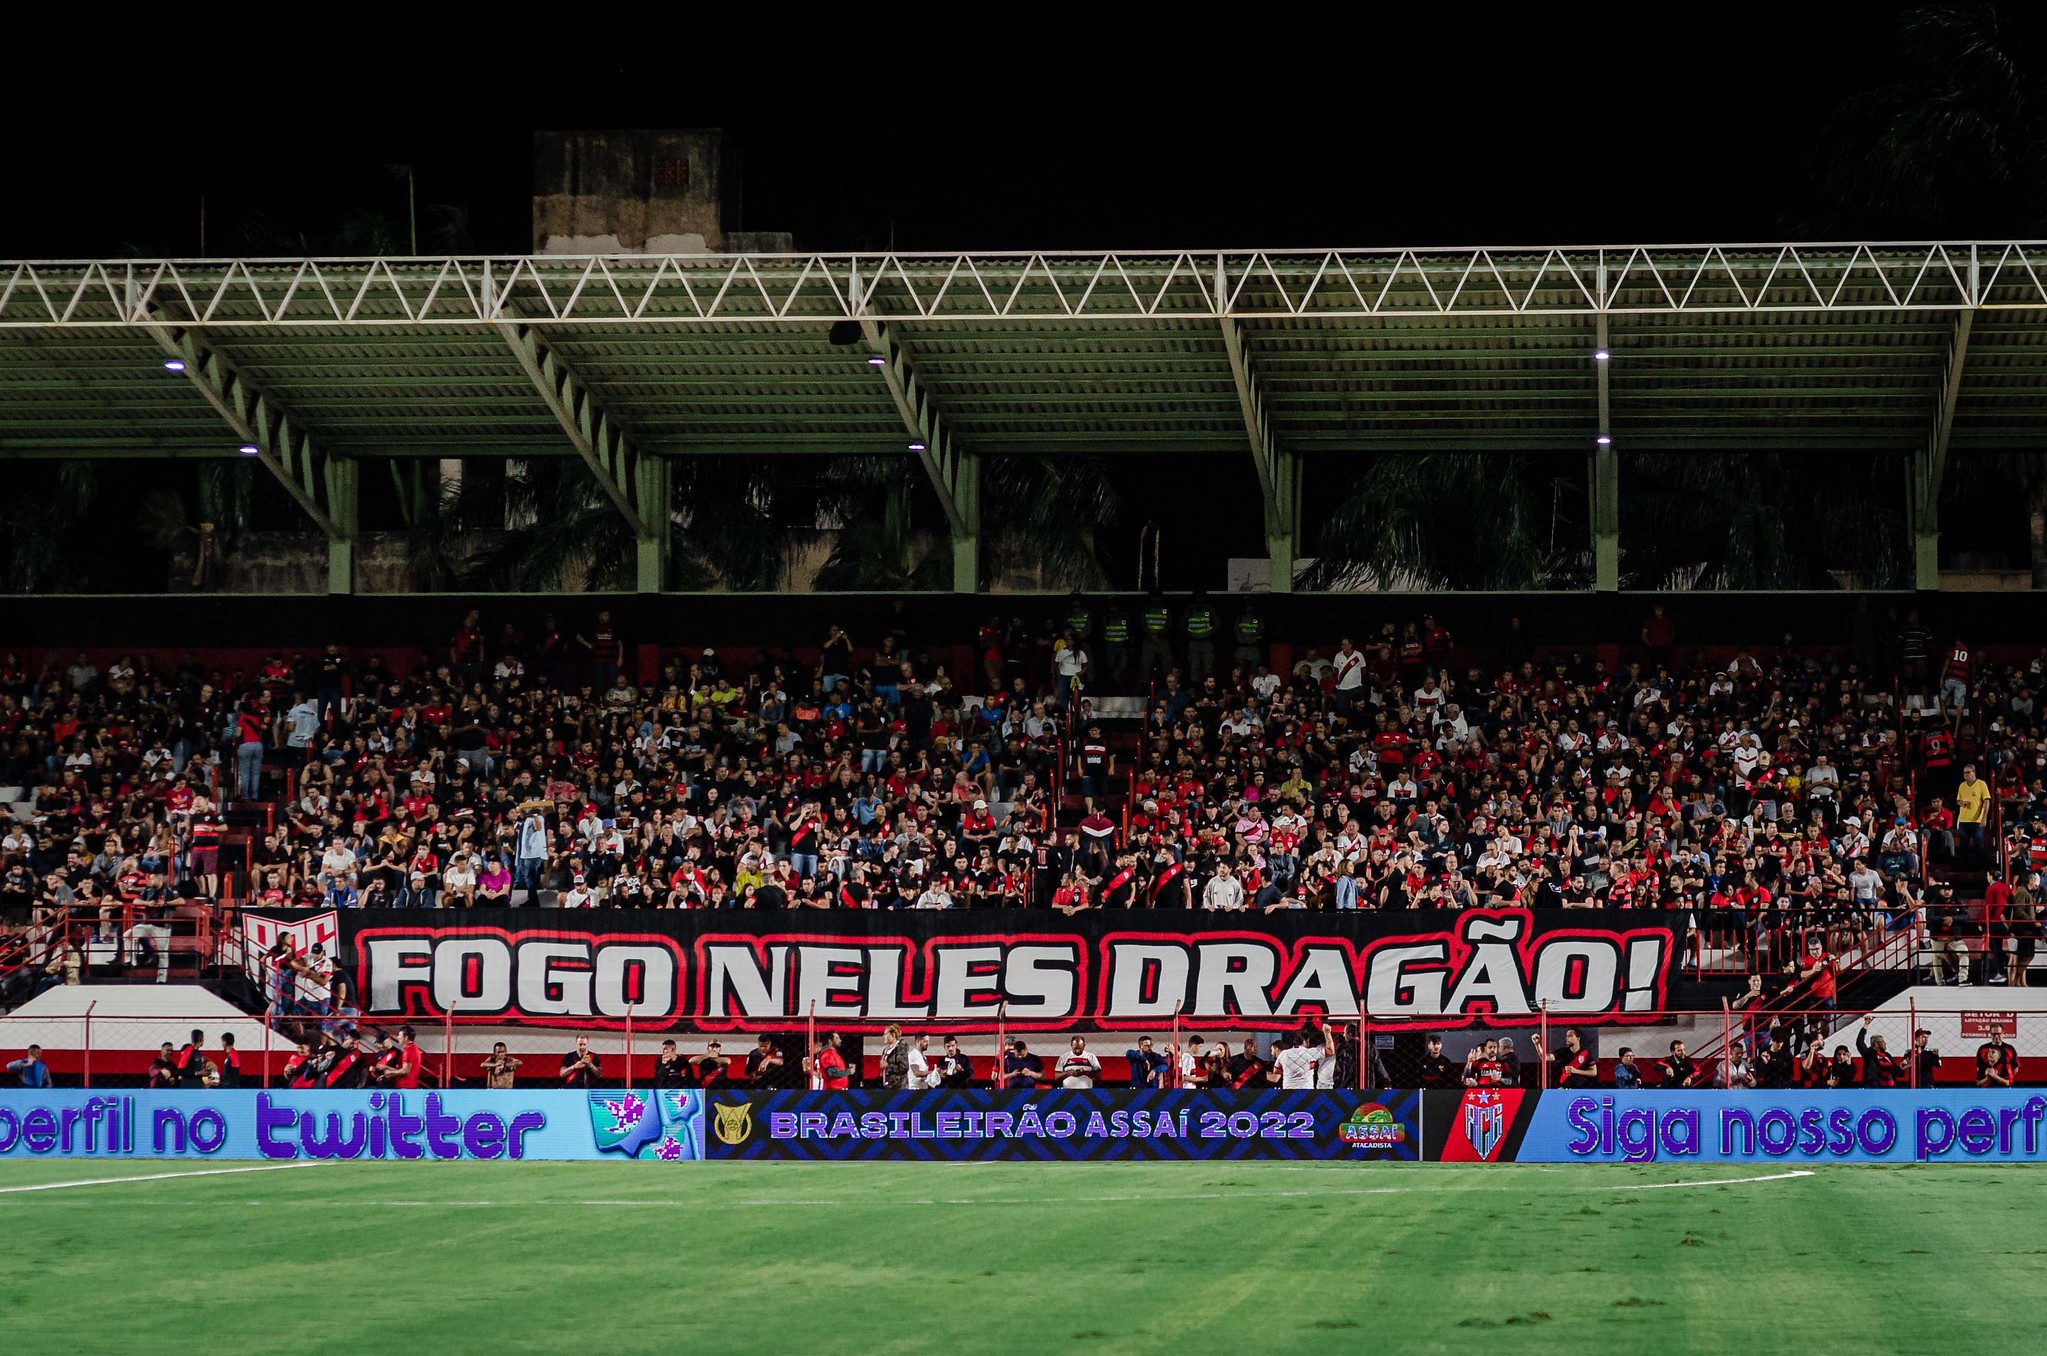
(961, 1124)
(858, 971)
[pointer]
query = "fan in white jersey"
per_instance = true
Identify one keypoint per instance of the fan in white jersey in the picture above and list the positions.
(1295, 1067)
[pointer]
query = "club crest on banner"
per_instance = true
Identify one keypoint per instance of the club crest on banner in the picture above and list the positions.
(1485, 1121)
(257, 934)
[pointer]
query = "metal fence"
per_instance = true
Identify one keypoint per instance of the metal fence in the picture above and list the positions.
(1983, 1038)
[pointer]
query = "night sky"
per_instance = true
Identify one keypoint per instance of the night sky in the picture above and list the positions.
(1587, 124)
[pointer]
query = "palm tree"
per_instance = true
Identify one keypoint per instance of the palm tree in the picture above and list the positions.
(1052, 514)
(1954, 148)
(221, 495)
(1763, 520)
(873, 499)
(544, 523)
(1443, 520)
(39, 518)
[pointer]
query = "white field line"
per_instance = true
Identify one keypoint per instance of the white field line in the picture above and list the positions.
(1723, 1181)
(1139, 1197)
(154, 1177)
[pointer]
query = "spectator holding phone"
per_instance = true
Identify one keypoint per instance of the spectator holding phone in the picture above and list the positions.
(1078, 1069)
(1627, 1077)
(581, 1066)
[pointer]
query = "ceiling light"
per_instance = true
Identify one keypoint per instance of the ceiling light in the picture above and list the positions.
(251, 450)
(1604, 440)
(1601, 355)
(916, 447)
(174, 364)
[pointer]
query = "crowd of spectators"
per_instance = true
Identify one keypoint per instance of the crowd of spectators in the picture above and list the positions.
(1407, 771)
(1317, 1056)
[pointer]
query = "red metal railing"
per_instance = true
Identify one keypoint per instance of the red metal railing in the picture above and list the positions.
(97, 1050)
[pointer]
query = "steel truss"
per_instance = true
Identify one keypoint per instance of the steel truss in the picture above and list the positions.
(954, 474)
(638, 486)
(549, 290)
(1279, 471)
(323, 485)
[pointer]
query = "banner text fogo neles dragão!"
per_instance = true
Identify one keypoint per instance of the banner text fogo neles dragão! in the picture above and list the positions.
(861, 970)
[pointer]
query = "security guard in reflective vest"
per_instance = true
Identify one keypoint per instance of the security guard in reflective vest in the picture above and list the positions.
(1116, 645)
(1250, 640)
(1156, 655)
(1200, 625)
(1080, 618)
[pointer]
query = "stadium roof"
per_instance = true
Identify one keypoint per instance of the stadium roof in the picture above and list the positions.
(627, 360)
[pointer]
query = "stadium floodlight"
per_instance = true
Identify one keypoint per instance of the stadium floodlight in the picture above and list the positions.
(174, 364)
(251, 450)
(1601, 355)
(916, 447)
(1604, 440)
(877, 361)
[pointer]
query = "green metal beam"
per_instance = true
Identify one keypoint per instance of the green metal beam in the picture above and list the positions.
(1279, 470)
(1929, 462)
(954, 474)
(344, 482)
(611, 455)
(283, 444)
(654, 487)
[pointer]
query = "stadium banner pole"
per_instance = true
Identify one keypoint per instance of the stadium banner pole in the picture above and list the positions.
(1726, 1045)
(1912, 1032)
(447, 1047)
(1173, 1051)
(1001, 1045)
(1364, 1053)
(1542, 1049)
(629, 1046)
(810, 1036)
(266, 1051)
(86, 1065)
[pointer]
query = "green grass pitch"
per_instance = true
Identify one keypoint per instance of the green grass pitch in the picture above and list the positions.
(1182, 1258)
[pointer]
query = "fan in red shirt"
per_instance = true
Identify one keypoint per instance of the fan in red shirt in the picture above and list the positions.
(1996, 1065)
(302, 1070)
(1483, 1067)
(828, 1071)
(400, 1063)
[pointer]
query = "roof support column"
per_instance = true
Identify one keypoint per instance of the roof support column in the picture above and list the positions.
(1929, 462)
(1605, 480)
(1279, 471)
(966, 540)
(344, 477)
(1283, 537)
(954, 472)
(655, 494)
